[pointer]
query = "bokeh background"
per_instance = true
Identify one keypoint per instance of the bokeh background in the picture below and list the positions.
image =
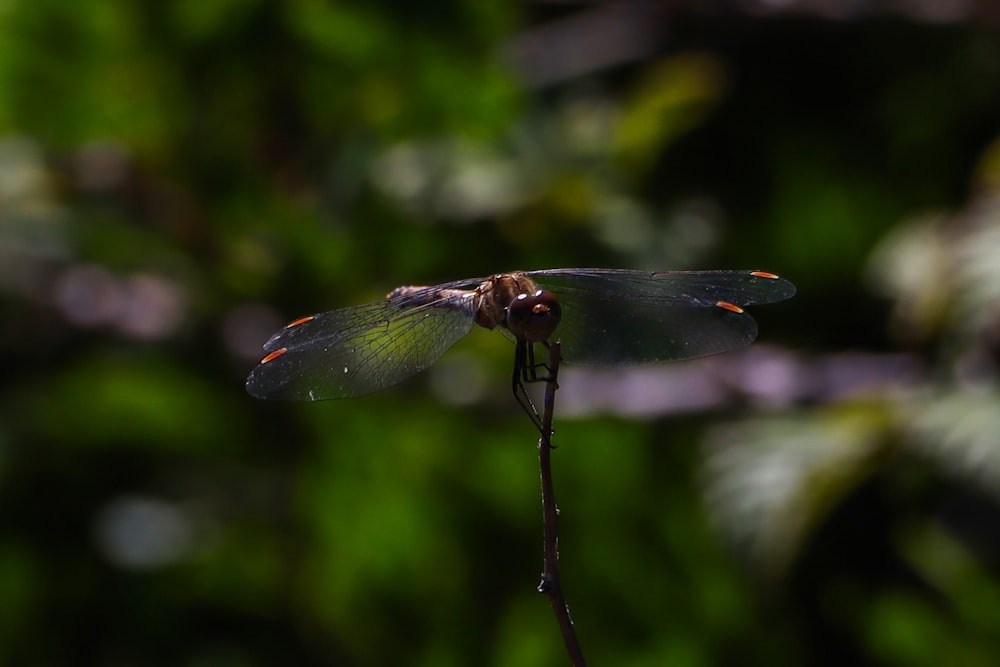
(178, 179)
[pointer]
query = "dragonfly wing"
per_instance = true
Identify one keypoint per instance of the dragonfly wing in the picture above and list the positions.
(620, 318)
(359, 350)
(608, 333)
(685, 288)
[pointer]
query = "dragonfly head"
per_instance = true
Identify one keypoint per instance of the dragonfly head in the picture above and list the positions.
(533, 317)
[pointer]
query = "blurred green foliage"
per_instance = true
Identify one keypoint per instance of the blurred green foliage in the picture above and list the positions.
(179, 179)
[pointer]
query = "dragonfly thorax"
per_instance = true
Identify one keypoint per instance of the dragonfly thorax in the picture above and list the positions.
(512, 301)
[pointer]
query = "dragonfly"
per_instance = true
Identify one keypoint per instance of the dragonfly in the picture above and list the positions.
(601, 317)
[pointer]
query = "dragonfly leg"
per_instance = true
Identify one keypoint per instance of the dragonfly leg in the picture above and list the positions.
(530, 368)
(526, 371)
(521, 356)
(548, 371)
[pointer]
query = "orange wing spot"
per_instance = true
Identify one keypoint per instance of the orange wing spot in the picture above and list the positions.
(764, 274)
(729, 306)
(274, 355)
(301, 320)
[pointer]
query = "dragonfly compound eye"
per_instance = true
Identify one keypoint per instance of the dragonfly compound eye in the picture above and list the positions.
(533, 317)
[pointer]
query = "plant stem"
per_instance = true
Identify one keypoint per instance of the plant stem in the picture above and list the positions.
(550, 584)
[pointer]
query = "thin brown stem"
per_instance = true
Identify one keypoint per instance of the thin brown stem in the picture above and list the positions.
(550, 584)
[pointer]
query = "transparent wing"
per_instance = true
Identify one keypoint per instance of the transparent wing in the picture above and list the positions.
(362, 349)
(618, 317)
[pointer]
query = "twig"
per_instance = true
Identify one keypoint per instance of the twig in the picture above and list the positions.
(550, 584)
